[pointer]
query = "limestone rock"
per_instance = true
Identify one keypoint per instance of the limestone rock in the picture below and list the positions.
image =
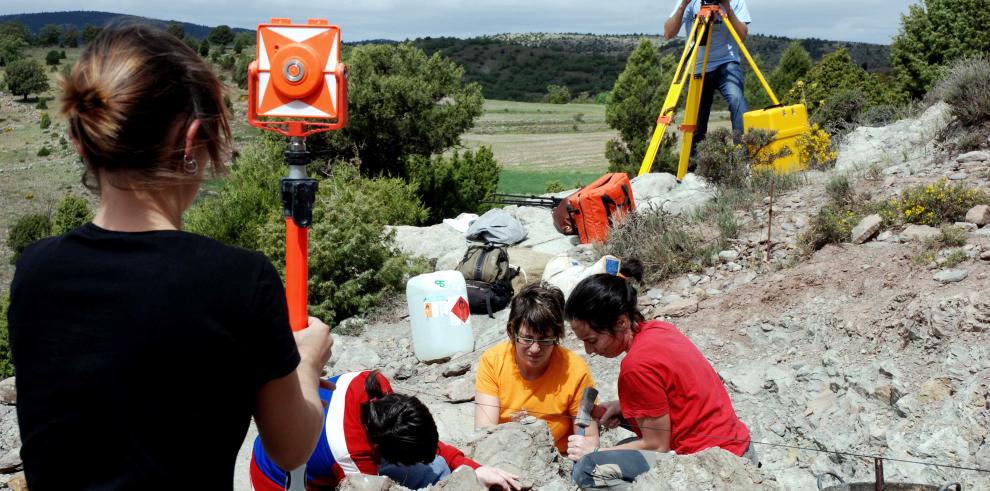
(728, 256)
(462, 479)
(456, 368)
(920, 233)
(951, 275)
(18, 482)
(867, 228)
(461, 390)
(680, 308)
(353, 354)
(11, 461)
(712, 469)
(10, 435)
(524, 448)
(910, 138)
(8, 392)
(977, 156)
(430, 242)
(652, 185)
(364, 482)
(979, 215)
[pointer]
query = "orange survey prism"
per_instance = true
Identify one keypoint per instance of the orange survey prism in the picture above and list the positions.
(298, 74)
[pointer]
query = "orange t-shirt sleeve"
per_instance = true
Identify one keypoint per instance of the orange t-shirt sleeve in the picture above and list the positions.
(486, 381)
(584, 381)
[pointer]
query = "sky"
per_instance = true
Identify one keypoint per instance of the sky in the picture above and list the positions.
(872, 21)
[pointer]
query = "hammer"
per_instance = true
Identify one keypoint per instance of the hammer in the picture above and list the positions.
(585, 409)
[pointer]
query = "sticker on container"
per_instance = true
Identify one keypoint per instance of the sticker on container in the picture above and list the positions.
(428, 310)
(461, 310)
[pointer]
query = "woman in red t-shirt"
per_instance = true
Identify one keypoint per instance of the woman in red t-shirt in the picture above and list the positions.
(668, 392)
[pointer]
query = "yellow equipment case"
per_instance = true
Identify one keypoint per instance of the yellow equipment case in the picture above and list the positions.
(790, 122)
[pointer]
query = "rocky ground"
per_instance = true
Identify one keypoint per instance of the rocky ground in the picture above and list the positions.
(857, 349)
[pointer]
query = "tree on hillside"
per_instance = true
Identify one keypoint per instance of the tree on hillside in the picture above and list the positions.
(204, 48)
(633, 105)
(175, 29)
(89, 33)
(558, 94)
(15, 30)
(793, 65)
(49, 35)
(756, 95)
(192, 43)
(25, 77)
(221, 36)
(71, 37)
(11, 48)
(402, 104)
(836, 72)
(932, 35)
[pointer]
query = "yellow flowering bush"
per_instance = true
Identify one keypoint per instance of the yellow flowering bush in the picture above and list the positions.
(816, 149)
(934, 203)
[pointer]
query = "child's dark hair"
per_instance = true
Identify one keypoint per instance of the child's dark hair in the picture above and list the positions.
(600, 299)
(400, 426)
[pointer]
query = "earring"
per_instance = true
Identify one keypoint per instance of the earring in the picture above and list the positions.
(190, 165)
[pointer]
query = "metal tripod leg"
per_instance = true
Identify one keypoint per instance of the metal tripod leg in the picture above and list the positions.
(691, 107)
(685, 69)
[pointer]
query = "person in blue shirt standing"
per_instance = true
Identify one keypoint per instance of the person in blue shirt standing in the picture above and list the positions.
(723, 71)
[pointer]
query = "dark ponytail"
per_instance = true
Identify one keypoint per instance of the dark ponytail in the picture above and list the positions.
(600, 299)
(400, 426)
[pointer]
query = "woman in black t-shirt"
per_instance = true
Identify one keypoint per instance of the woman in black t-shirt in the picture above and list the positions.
(142, 350)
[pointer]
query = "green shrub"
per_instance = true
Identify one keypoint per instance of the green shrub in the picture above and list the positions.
(955, 258)
(44, 152)
(555, 186)
(353, 263)
(45, 122)
(723, 162)
(455, 184)
(666, 244)
(6, 359)
(966, 88)
(250, 195)
(558, 94)
(52, 58)
(27, 230)
(841, 111)
(832, 225)
(72, 212)
(839, 190)
(42, 104)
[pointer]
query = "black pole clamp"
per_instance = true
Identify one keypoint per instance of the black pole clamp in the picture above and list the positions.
(298, 196)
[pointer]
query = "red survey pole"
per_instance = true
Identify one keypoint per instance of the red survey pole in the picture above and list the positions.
(297, 74)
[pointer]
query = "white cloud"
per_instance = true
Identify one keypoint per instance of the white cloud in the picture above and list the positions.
(847, 20)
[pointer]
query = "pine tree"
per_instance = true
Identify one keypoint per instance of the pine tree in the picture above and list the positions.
(793, 65)
(633, 105)
(932, 35)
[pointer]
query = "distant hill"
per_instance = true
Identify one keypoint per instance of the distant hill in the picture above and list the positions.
(520, 66)
(80, 18)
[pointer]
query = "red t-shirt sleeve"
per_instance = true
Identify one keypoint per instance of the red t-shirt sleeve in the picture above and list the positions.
(454, 457)
(641, 393)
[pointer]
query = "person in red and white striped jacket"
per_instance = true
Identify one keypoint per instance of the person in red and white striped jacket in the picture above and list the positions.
(369, 429)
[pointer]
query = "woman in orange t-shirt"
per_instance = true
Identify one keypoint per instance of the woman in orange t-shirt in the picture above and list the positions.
(530, 373)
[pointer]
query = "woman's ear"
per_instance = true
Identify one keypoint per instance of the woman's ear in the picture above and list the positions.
(190, 142)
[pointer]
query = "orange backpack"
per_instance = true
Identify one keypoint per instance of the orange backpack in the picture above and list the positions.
(594, 207)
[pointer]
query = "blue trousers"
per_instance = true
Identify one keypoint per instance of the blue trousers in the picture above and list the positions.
(415, 476)
(728, 79)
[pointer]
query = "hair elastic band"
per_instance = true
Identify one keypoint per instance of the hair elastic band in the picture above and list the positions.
(620, 275)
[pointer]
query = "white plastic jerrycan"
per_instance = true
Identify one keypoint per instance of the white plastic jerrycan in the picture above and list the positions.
(439, 314)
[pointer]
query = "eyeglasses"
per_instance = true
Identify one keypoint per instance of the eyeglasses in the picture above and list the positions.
(542, 342)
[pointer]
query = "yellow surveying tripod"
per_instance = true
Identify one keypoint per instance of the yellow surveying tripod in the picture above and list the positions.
(700, 35)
